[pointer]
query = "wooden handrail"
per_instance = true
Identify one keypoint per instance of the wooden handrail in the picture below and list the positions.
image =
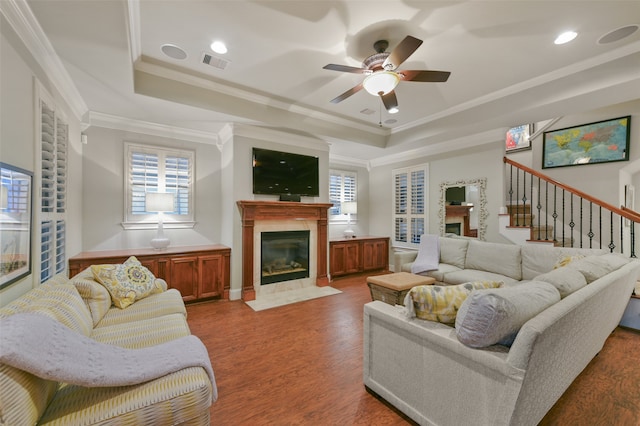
(632, 212)
(624, 212)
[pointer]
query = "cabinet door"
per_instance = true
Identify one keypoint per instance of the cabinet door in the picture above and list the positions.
(345, 258)
(375, 255)
(211, 278)
(183, 276)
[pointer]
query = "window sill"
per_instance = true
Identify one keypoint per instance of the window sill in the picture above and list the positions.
(154, 225)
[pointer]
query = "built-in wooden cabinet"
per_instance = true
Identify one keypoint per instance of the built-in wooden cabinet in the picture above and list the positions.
(355, 255)
(198, 272)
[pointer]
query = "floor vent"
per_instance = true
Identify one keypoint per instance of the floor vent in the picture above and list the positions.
(214, 61)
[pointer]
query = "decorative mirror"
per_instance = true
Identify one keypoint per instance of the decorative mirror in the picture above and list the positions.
(463, 208)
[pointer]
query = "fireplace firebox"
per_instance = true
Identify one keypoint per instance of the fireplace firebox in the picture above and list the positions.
(284, 256)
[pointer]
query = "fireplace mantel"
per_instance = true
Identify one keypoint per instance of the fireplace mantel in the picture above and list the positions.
(281, 210)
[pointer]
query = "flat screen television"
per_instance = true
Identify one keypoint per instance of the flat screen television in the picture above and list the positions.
(283, 173)
(455, 195)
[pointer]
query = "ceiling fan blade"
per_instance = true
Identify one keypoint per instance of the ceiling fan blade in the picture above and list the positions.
(346, 94)
(344, 68)
(390, 100)
(424, 75)
(401, 52)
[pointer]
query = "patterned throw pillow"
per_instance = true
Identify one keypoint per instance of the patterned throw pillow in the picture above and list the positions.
(565, 260)
(127, 282)
(441, 303)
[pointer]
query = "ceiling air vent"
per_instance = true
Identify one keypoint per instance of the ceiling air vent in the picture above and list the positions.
(214, 61)
(367, 111)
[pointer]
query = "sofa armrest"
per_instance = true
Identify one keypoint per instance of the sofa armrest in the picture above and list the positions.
(402, 257)
(422, 369)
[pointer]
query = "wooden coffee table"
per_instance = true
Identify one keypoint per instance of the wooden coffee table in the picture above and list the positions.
(392, 288)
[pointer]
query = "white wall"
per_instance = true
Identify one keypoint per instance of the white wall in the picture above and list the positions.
(104, 192)
(18, 72)
(480, 162)
(244, 139)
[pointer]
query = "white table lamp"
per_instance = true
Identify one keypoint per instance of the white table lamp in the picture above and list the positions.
(349, 207)
(159, 202)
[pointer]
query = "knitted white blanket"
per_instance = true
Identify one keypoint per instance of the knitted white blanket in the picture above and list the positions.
(428, 254)
(46, 348)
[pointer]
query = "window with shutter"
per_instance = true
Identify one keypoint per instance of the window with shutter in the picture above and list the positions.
(158, 169)
(343, 186)
(410, 209)
(52, 147)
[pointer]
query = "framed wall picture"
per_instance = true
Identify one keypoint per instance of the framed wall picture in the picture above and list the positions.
(15, 223)
(517, 138)
(599, 142)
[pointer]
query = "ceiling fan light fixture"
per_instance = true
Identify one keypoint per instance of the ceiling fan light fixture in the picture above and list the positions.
(381, 82)
(393, 110)
(565, 37)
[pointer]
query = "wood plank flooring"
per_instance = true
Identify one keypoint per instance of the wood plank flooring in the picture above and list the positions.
(301, 364)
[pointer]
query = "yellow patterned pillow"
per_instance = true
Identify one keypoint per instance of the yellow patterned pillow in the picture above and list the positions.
(564, 261)
(441, 303)
(127, 282)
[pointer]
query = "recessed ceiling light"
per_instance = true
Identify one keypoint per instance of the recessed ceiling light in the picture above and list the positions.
(565, 37)
(618, 34)
(173, 51)
(390, 121)
(219, 47)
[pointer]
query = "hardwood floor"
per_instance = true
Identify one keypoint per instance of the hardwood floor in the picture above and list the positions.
(301, 364)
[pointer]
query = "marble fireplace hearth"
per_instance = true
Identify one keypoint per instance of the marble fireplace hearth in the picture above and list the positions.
(267, 216)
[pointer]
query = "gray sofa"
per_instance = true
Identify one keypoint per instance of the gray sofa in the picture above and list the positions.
(423, 369)
(463, 260)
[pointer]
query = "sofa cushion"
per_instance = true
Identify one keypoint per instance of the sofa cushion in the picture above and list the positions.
(539, 259)
(466, 275)
(594, 267)
(126, 282)
(492, 316)
(504, 259)
(441, 303)
(442, 270)
(566, 280)
(95, 295)
(58, 301)
(153, 306)
(453, 251)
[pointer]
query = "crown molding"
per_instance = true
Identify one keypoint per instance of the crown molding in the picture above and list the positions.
(108, 121)
(133, 28)
(247, 95)
(470, 141)
(28, 29)
(277, 136)
(349, 161)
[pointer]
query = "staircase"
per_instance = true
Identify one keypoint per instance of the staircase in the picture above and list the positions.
(542, 211)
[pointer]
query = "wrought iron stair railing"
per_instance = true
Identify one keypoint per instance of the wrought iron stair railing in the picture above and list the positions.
(566, 216)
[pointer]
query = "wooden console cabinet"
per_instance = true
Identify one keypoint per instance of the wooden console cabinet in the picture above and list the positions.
(197, 272)
(355, 255)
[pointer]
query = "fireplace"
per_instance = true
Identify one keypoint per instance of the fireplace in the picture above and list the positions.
(452, 228)
(267, 216)
(284, 256)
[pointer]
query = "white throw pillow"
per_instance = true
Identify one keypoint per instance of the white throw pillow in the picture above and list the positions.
(492, 316)
(566, 280)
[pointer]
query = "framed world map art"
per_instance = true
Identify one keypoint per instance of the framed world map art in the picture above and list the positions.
(599, 142)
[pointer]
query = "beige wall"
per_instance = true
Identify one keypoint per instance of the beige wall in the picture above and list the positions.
(103, 194)
(18, 74)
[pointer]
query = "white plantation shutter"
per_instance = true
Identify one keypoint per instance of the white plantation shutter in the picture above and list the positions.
(144, 178)
(61, 259)
(48, 161)
(53, 149)
(409, 210)
(158, 169)
(343, 186)
(46, 250)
